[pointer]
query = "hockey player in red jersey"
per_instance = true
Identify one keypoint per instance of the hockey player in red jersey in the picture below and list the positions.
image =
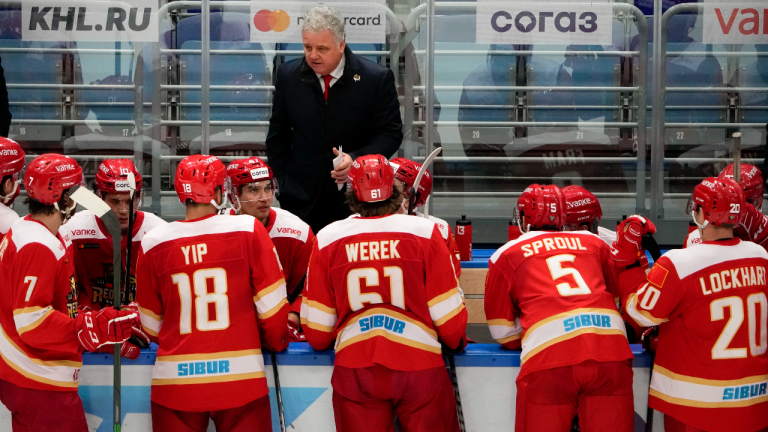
(709, 301)
(752, 182)
(92, 243)
(380, 289)
(549, 292)
(405, 176)
(198, 281)
(43, 335)
(11, 164)
(252, 192)
(583, 213)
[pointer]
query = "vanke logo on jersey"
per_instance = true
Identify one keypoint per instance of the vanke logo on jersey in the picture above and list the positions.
(289, 231)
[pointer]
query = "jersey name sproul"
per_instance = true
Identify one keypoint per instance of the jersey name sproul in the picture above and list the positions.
(709, 300)
(198, 282)
(553, 294)
(92, 251)
(38, 335)
(384, 290)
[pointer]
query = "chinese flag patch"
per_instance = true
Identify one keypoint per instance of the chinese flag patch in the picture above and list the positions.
(658, 275)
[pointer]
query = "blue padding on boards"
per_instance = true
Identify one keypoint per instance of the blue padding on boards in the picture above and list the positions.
(480, 258)
(491, 355)
(302, 354)
(135, 399)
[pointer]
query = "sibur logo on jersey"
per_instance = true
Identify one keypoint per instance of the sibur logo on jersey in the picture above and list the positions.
(745, 392)
(381, 321)
(587, 320)
(203, 368)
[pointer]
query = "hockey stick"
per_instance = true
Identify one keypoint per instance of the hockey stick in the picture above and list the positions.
(278, 392)
(297, 290)
(90, 201)
(649, 244)
(450, 362)
(414, 191)
(737, 157)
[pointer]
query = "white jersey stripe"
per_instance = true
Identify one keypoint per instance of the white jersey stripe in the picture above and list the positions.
(499, 332)
(217, 224)
(691, 260)
(445, 307)
(395, 223)
(271, 300)
(211, 370)
(382, 320)
(57, 375)
(691, 391)
(317, 316)
(570, 324)
(25, 319)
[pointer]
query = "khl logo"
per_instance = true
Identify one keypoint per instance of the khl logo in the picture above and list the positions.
(114, 20)
(276, 20)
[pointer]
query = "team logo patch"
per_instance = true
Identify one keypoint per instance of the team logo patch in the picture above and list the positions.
(658, 275)
(88, 246)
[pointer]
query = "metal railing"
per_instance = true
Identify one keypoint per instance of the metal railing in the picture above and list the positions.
(403, 34)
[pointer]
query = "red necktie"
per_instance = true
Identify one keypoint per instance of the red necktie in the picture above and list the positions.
(327, 79)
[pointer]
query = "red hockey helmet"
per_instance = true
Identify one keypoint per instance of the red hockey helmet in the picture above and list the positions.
(721, 199)
(372, 178)
(113, 174)
(11, 164)
(197, 178)
(50, 175)
(751, 180)
(246, 171)
(581, 206)
(406, 171)
(539, 207)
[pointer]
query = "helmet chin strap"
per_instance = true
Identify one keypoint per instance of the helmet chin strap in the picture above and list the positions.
(67, 212)
(700, 226)
(8, 198)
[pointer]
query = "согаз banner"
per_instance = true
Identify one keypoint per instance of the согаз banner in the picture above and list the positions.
(86, 20)
(543, 23)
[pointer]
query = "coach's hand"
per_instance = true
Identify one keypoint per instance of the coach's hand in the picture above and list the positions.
(627, 248)
(341, 171)
(107, 326)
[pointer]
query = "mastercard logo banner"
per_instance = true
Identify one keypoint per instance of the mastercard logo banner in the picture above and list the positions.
(276, 20)
(279, 21)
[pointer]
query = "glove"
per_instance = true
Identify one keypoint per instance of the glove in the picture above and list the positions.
(107, 326)
(294, 333)
(127, 350)
(138, 337)
(650, 339)
(754, 226)
(627, 248)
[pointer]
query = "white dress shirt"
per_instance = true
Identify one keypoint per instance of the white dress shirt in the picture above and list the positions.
(336, 74)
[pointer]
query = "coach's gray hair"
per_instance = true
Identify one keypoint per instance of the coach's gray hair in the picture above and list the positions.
(324, 17)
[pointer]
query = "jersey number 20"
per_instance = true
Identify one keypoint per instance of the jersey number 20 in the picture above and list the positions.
(203, 298)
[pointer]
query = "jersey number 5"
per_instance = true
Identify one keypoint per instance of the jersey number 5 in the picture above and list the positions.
(203, 298)
(556, 270)
(357, 299)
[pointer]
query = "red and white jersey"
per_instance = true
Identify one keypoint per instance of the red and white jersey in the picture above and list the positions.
(694, 237)
(552, 294)
(450, 241)
(383, 289)
(7, 217)
(293, 241)
(198, 281)
(92, 251)
(709, 301)
(39, 343)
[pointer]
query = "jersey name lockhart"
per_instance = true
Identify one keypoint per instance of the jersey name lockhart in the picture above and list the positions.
(733, 278)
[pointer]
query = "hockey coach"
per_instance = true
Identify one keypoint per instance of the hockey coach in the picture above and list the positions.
(329, 98)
